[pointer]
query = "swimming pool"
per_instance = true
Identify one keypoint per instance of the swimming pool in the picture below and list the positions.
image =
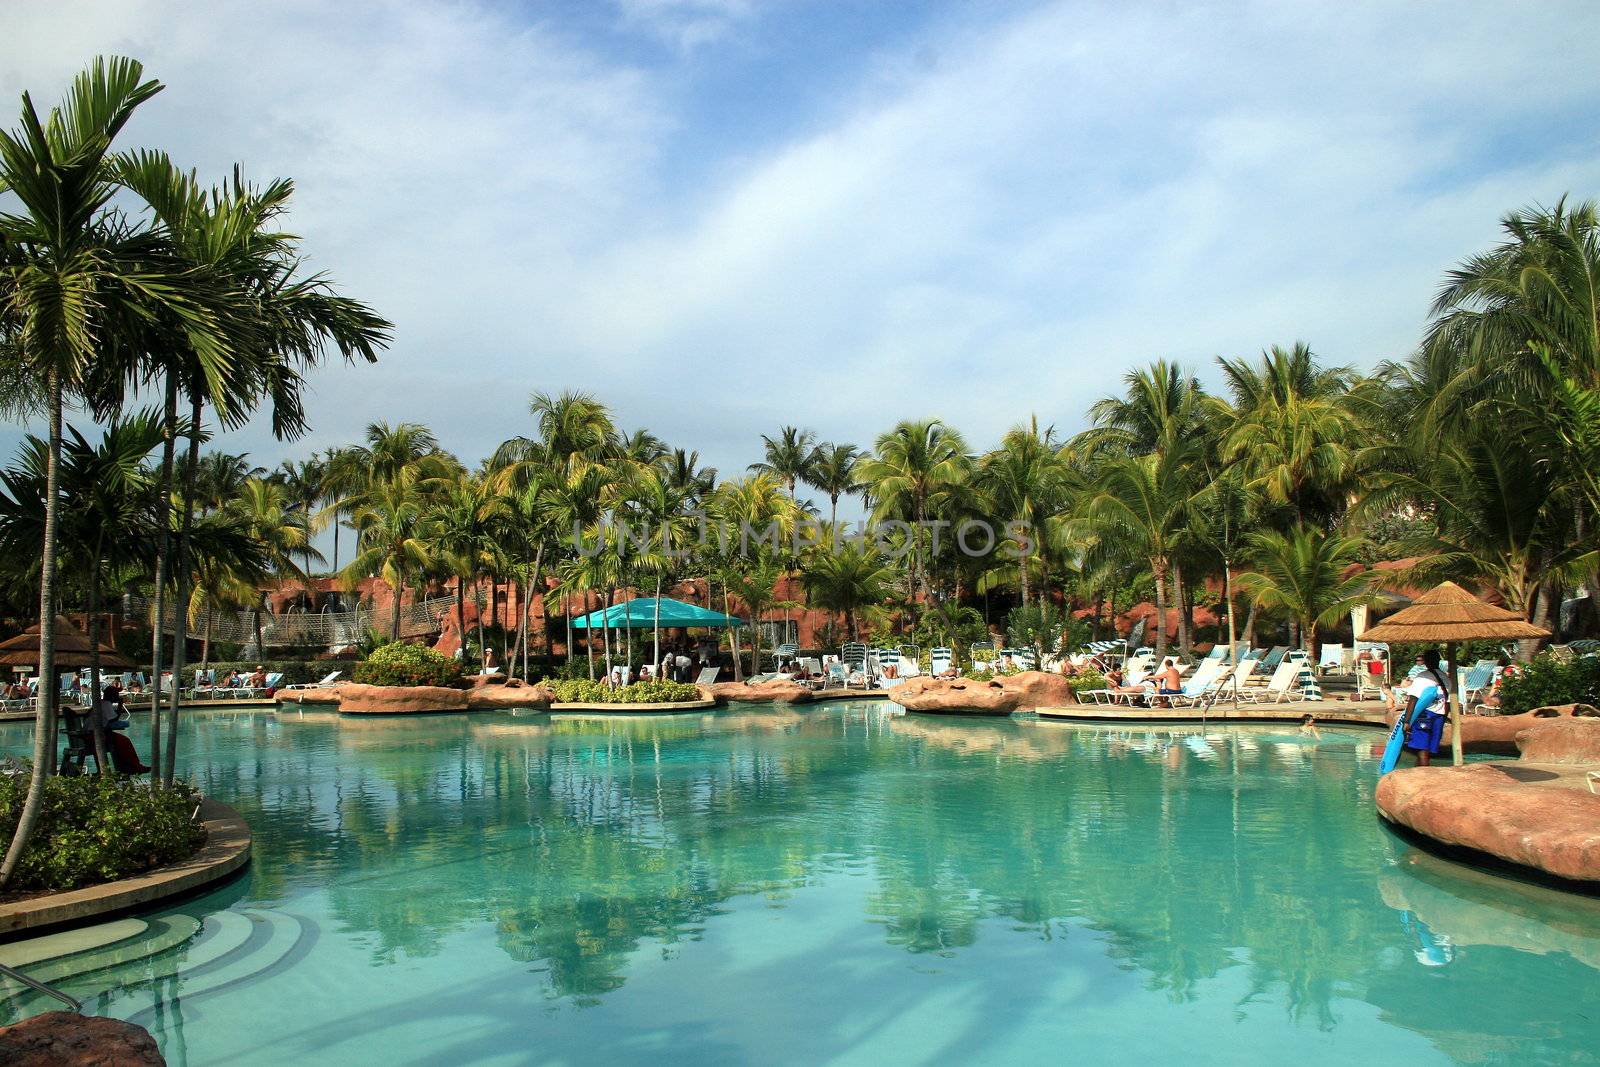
(836, 884)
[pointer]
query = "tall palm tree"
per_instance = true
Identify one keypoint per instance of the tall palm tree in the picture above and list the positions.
(789, 456)
(918, 469)
(1026, 482)
(461, 532)
(832, 471)
(1294, 430)
(389, 517)
(73, 280)
(1144, 499)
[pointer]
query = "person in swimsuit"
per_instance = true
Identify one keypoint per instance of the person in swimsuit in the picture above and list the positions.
(1169, 682)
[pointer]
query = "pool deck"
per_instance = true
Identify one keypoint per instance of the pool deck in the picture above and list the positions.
(1339, 712)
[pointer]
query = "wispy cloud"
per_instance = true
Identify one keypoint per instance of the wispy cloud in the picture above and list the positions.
(997, 218)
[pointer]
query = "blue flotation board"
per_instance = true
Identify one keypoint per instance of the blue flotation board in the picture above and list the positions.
(1397, 742)
(1429, 696)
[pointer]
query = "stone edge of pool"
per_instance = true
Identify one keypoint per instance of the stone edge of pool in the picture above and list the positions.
(227, 850)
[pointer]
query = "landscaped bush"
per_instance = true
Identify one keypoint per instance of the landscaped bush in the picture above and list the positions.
(1086, 680)
(1547, 680)
(99, 828)
(401, 664)
(584, 691)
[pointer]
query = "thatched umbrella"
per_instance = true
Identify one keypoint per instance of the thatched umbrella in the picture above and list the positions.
(1449, 613)
(72, 649)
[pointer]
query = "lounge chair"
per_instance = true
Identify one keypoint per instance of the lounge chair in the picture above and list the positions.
(785, 653)
(1332, 661)
(708, 675)
(327, 680)
(1206, 677)
(816, 677)
(1477, 680)
(939, 661)
(853, 654)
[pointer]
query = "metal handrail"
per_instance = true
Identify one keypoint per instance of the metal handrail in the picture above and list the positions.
(40, 987)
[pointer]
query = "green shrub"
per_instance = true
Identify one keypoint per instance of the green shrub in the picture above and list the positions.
(99, 828)
(584, 691)
(1086, 680)
(1547, 680)
(402, 664)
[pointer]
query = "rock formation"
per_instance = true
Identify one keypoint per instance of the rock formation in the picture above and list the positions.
(64, 1039)
(1000, 696)
(1483, 807)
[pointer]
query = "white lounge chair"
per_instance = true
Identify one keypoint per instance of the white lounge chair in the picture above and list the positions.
(327, 680)
(707, 675)
(1332, 661)
(939, 661)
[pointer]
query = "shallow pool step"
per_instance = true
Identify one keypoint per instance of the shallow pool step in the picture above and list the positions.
(166, 932)
(22, 954)
(283, 933)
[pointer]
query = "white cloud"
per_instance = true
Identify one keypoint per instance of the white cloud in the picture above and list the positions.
(997, 219)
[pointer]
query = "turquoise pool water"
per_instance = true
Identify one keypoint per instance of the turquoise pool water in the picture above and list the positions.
(841, 885)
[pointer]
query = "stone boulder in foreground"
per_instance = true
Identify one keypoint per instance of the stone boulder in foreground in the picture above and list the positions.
(1000, 696)
(1523, 811)
(63, 1039)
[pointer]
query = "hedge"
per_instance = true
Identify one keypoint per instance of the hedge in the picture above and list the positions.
(1548, 680)
(583, 691)
(403, 664)
(99, 828)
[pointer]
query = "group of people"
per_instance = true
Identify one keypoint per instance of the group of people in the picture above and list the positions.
(681, 661)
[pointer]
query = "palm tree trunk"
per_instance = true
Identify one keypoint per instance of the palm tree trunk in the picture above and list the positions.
(461, 619)
(1227, 598)
(394, 612)
(605, 626)
(180, 622)
(1159, 570)
(733, 632)
(44, 727)
(477, 602)
(94, 650)
(655, 663)
(163, 548)
(205, 639)
(1183, 616)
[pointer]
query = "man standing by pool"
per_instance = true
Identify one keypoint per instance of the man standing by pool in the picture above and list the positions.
(1427, 703)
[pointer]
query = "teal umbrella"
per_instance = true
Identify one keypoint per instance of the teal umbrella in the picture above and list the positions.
(640, 614)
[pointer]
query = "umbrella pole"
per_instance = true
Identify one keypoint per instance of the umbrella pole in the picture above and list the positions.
(1457, 756)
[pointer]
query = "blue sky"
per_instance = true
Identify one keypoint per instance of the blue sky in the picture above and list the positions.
(722, 216)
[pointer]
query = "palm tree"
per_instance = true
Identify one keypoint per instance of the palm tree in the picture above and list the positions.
(1294, 430)
(1142, 499)
(660, 506)
(461, 530)
(919, 468)
(789, 456)
(107, 518)
(833, 471)
(73, 280)
(1026, 482)
(1304, 574)
(393, 539)
(847, 579)
(266, 511)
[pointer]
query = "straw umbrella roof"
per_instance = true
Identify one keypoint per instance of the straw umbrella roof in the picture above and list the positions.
(1450, 613)
(72, 649)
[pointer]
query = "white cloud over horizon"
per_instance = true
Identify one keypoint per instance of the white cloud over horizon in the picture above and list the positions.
(995, 213)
